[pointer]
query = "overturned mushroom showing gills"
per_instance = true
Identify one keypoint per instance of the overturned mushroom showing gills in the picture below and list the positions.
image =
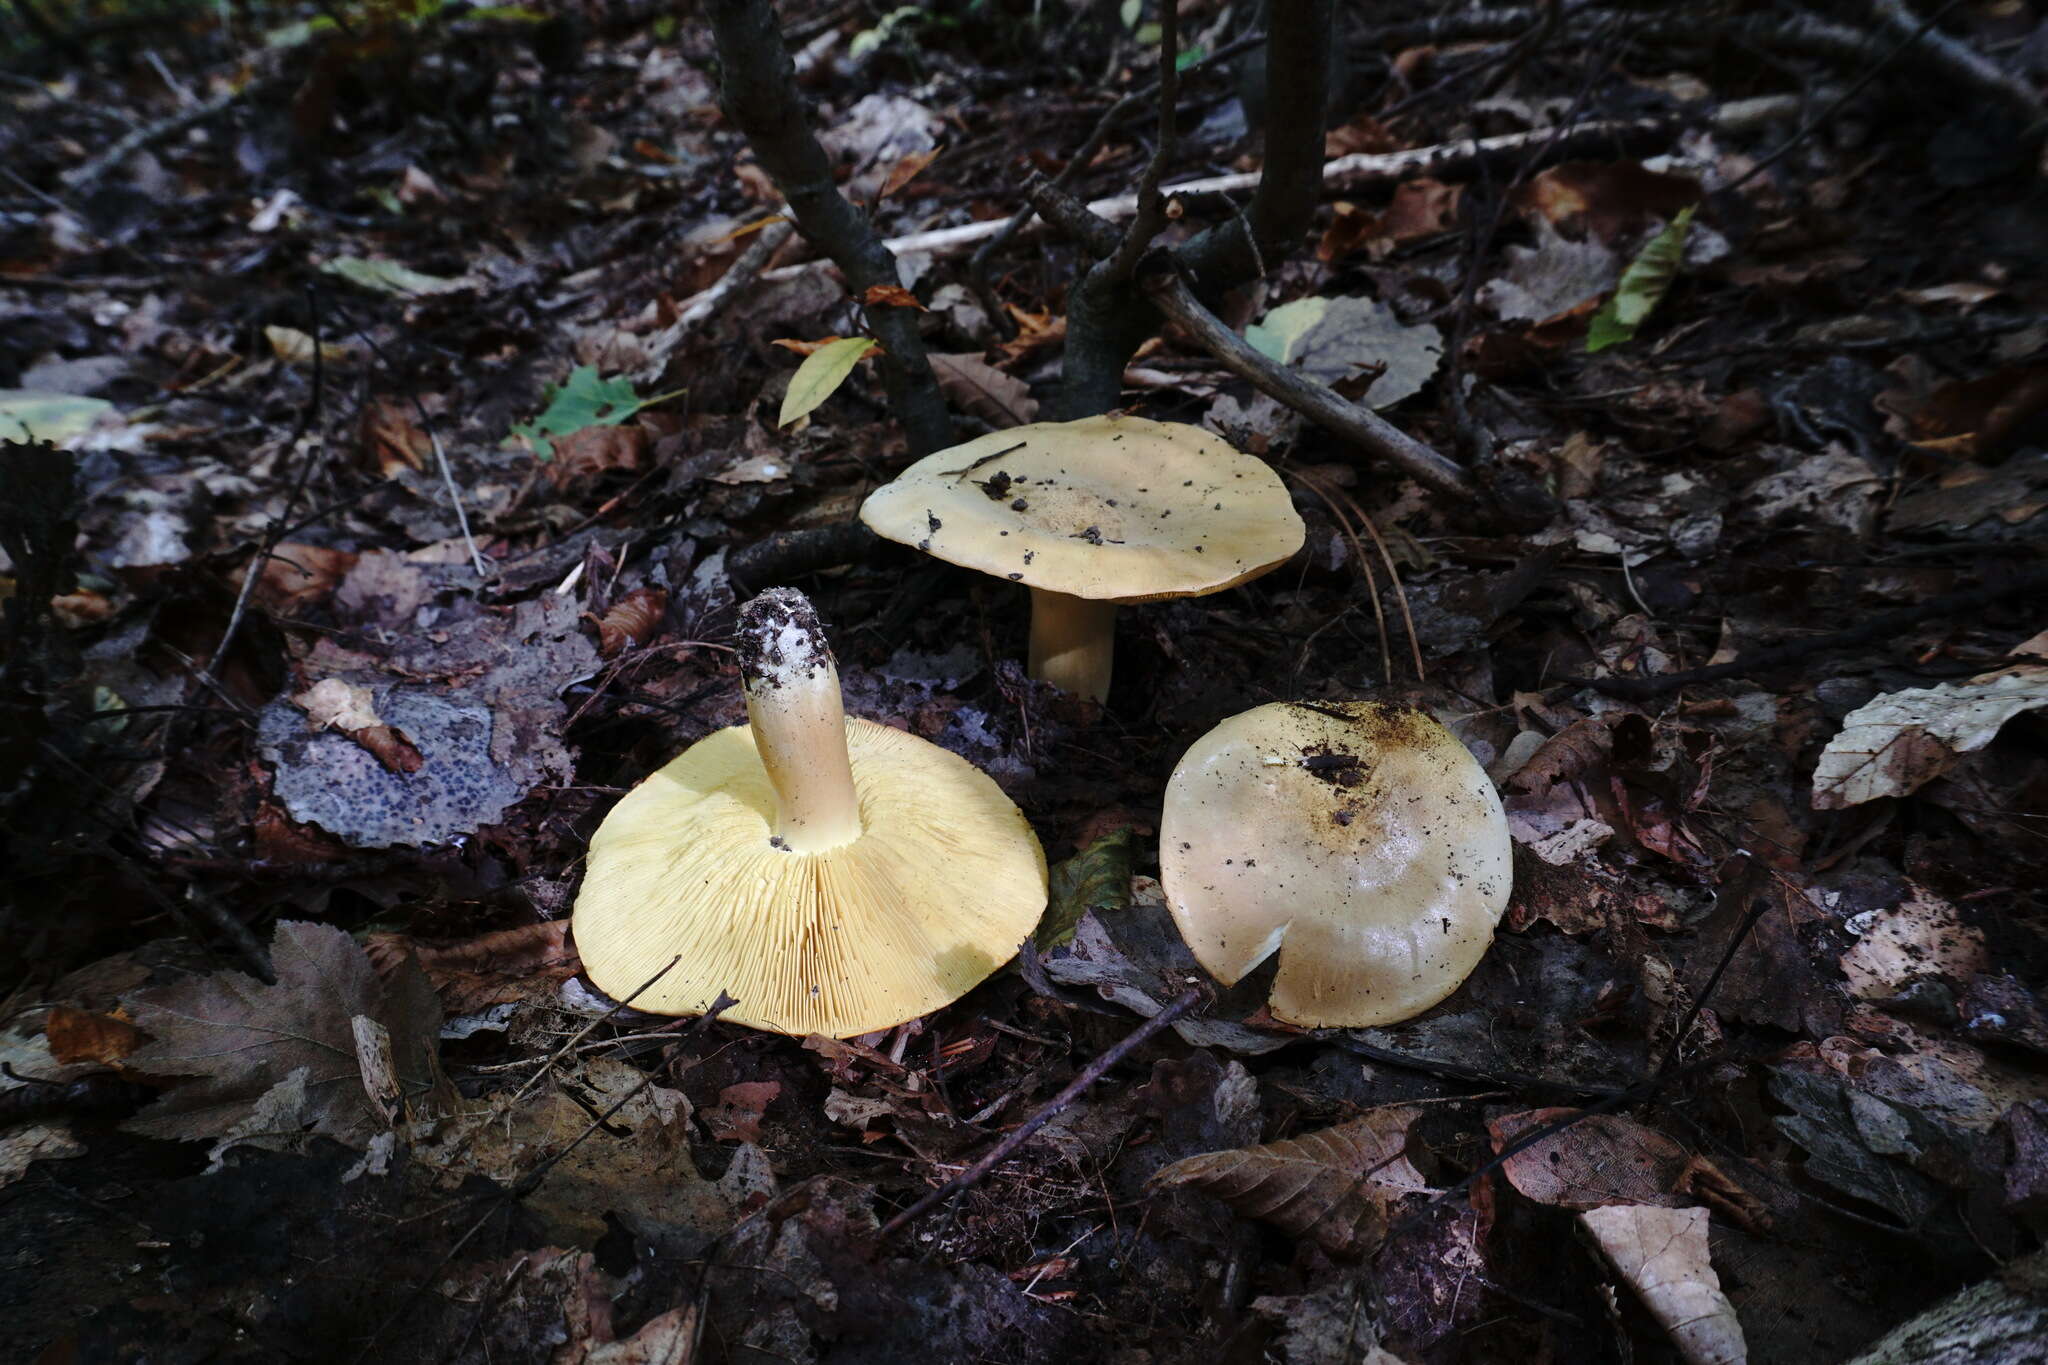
(1090, 514)
(1361, 841)
(835, 876)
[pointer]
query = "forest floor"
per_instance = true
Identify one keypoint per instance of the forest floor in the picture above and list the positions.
(410, 312)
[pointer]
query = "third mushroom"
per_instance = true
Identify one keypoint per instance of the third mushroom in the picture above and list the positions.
(1091, 514)
(1360, 841)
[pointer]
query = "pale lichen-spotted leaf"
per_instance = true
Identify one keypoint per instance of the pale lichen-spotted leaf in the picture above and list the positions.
(1335, 1184)
(1642, 286)
(1898, 742)
(239, 1038)
(1662, 1254)
(821, 374)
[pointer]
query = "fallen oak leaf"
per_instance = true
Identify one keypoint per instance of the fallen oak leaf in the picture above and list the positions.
(1335, 1184)
(239, 1038)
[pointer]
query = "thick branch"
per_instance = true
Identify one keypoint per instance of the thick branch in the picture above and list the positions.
(759, 91)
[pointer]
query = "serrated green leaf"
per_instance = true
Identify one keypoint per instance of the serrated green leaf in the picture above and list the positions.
(822, 372)
(389, 277)
(1096, 878)
(582, 400)
(1642, 286)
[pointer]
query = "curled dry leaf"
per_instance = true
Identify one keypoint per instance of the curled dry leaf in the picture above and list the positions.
(1336, 1184)
(632, 620)
(891, 296)
(1606, 1159)
(506, 965)
(332, 704)
(1662, 1253)
(1901, 741)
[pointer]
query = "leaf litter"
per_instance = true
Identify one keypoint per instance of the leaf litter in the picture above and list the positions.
(458, 649)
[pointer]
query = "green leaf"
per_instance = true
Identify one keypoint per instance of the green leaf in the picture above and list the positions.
(389, 277)
(1642, 286)
(822, 372)
(1281, 330)
(1189, 58)
(1096, 878)
(584, 400)
(1130, 12)
(60, 418)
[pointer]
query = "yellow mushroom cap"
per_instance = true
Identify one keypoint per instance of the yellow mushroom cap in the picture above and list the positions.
(927, 886)
(1120, 509)
(1360, 840)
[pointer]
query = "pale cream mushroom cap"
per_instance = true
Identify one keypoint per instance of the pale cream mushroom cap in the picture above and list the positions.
(1119, 509)
(943, 884)
(1360, 840)
(833, 876)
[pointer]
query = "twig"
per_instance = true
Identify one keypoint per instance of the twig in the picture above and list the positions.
(760, 96)
(1090, 1074)
(275, 533)
(1317, 402)
(1151, 215)
(1880, 626)
(1362, 170)
(476, 557)
(82, 178)
(701, 305)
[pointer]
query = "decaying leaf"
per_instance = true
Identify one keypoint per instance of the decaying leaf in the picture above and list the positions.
(332, 704)
(238, 1038)
(1334, 340)
(1096, 878)
(78, 1036)
(1336, 1185)
(389, 277)
(632, 620)
(1901, 741)
(1920, 936)
(821, 374)
(981, 390)
(737, 1118)
(510, 964)
(1600, 1159)
(1662, 1254)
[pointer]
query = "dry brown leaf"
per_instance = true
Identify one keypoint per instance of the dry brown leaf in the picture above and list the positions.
(1600, 1159)
(979, 388)
(907, 169)
(586, 454)
(891, 296)
(77, 1036)
(802, 347)
(332, 704)
(391, 439)
(1335, 1184)
(1662, 1254)
(470, 976)
(1899, 742)
(238, 1038)
(1038, 331)
(632, 620)
(297, 576)
(740, 1110)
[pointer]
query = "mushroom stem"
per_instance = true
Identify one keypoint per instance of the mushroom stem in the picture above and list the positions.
(798, 720)
(1073, 642)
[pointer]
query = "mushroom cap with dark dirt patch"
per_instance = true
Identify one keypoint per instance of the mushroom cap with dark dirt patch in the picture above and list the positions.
(1119, 509)
(1360, 840)
(945, 880)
